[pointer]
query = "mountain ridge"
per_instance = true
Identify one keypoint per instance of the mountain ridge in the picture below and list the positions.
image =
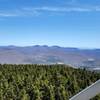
(44, 54)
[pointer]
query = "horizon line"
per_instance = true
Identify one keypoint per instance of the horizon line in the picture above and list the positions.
(74, 47)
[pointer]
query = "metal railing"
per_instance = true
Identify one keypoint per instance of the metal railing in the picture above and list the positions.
(88, 93)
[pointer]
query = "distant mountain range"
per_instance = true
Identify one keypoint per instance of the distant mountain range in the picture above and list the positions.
(49, 55)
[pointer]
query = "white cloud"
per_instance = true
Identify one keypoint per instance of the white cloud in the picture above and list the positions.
(64, 9)
(35, 11)
(18, 13)
(7, 14)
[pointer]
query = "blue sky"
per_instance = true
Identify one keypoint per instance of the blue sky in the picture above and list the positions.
(68, 23)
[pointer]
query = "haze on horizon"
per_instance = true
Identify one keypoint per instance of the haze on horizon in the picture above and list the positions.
(66, 23)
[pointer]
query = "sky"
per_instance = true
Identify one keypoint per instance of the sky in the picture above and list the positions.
(66, 23)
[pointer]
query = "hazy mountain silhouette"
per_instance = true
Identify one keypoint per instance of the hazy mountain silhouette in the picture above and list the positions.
(49, 55)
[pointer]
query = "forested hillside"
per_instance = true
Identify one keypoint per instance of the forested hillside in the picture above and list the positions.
(43, 82)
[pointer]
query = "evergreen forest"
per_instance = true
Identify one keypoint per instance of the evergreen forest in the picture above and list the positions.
(43, 82)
